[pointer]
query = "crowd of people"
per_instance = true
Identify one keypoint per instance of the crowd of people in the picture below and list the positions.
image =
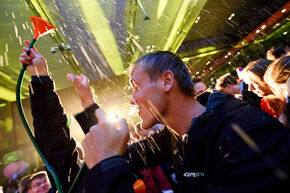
(233, 138)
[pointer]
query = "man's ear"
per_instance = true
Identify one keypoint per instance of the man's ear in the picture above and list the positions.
(168, 80)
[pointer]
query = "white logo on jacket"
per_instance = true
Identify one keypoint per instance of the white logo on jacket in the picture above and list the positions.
(193, 174)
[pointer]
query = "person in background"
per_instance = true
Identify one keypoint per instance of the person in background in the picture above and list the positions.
(200, 90)
(247, 95)
(228, 84)
(23, 184)
(39, 183)
(277, 77)
(253, 74)
(277, 52)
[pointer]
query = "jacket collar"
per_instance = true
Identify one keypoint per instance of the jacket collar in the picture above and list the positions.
(222, 103)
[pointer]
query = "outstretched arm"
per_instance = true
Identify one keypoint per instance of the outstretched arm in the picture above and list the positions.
(49, 120)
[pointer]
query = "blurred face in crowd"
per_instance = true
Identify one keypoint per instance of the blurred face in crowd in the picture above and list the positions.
(257, 85)
(232, 89)
(270, 55)
(148, 96)
(40, 185)
(199, 88)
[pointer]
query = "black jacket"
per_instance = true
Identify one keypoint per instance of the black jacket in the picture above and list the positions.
(214, 159)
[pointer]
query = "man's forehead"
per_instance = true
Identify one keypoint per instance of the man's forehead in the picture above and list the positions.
(135, 72)
(39, 178)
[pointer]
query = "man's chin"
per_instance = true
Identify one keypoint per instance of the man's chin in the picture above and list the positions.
(146, 126)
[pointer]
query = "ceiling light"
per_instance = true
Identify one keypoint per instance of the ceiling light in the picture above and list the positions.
(283, 10)
(207, 62)
(197, 72)
(210, 68)
(243, 43)
(258, 31)
(263, 26)
(285, 33)
(229, 53)
(238, 53)
(232, 15)
(226, 56)
(148, 47)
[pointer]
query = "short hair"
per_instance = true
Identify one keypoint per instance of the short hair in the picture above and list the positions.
(158, 62)
(258, 67)
(24, 183)
(195, 80)
(37, 175)
(279, 51)
(278, 71)
(224, 80)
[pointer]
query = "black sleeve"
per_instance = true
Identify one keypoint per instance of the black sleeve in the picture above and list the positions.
(87, 118)
(250, 97)
(51, 132)
(112, 175)
(259, 163)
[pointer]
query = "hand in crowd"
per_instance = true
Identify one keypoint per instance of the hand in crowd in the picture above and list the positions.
(106, 139)
(82, 87)
(37, 64)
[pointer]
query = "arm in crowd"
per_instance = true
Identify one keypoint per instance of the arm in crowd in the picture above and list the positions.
(108, 174)
(49, 120)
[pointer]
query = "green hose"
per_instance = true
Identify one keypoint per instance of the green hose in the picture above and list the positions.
(26, 125)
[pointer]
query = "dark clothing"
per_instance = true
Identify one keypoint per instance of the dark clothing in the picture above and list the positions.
(214, 157)
(249, 96)
(53, 138)
(203, 98)
(51, 133)
(286, 110)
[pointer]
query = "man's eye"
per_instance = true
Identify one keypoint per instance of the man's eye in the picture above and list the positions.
(136, 88)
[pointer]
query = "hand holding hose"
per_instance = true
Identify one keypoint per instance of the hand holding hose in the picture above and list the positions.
(36, 63)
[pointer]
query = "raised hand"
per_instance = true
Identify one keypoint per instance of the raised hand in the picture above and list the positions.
(37, 64)
(82, 87)
(106, 139)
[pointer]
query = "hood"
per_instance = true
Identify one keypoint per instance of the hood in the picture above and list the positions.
(218, 101)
